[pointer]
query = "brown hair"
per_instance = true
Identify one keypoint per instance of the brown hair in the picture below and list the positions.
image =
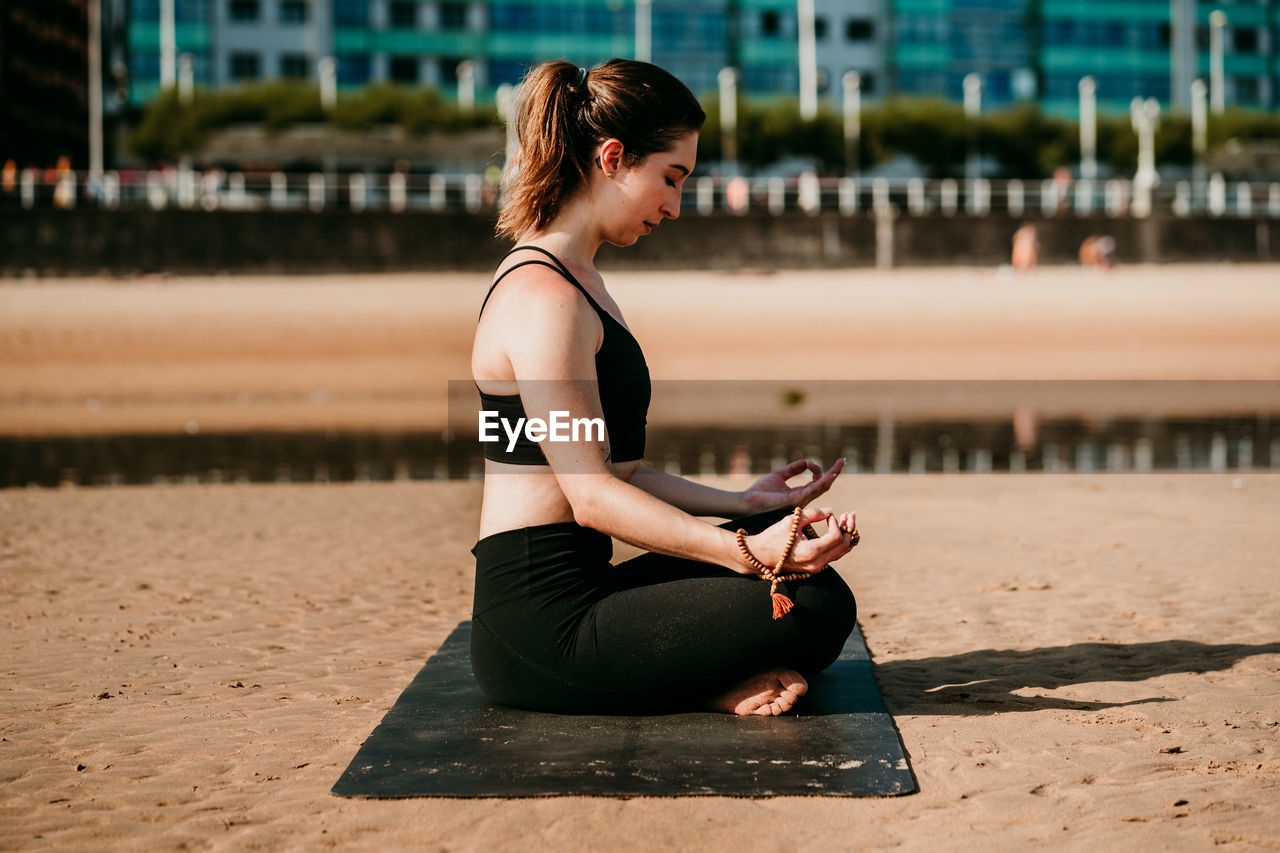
(563, 114)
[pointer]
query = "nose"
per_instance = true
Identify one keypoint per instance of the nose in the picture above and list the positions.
(671, 209)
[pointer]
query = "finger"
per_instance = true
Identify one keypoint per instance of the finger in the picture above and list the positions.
(794, 468)
(812, 514)
(812, 489)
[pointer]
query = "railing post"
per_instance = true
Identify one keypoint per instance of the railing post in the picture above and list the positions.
(705, 195)
(1217, 195)
(1048, 197)
(436, 192)
(1244, 199)
(777, 196)
(356, 189)
(916, 205)
(472, 192)
(1015, 197)
(880, 195)
(848, 192)
(1182, 199)
(397, 192)
(236, 196)
(810, 193)
(111, 190)
(1084, 197)
(279, 189)
(27, 188)
(948, 196)
(979, 201)
(156, 195)
(315, 192)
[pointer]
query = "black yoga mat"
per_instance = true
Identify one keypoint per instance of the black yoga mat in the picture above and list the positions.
(443, 738)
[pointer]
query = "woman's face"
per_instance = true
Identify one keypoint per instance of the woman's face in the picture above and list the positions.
(649, 191)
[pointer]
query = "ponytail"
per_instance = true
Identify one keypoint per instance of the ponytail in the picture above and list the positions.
(565, 111)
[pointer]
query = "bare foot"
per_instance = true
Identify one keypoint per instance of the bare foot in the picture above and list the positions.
(768, 693)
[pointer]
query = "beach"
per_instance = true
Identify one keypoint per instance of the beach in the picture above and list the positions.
(1072, 660)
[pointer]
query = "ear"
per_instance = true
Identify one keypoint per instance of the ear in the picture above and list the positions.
(611, 156)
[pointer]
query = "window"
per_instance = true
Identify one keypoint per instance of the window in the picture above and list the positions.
(449, 69)
(1247, 90)
(403, 69)
(770, 23)
(296, 65)
(866, 81)
(246, 66)
(144, 64)
(1246, 39)
(859, 29)
(600, 20)
(351, 13)
(293, 11)
(819, 28)
(510, 17)
(353, 69)
(191, 11)
(507, 71)
(144, 10)
(453, 16)
(244, 11)
(404, 15)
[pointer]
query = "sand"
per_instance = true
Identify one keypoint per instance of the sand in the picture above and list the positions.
(1088, 661)
(378, 352)
(1072, 660)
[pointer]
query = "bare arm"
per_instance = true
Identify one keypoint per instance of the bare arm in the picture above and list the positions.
(555, 341)
(769, 492)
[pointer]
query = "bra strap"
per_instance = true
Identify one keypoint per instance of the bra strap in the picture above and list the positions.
(559, 263)
(558, 267)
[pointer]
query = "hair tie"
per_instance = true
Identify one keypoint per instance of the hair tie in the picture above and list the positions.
(582, 78)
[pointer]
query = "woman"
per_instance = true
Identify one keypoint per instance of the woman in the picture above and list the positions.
(603, 156)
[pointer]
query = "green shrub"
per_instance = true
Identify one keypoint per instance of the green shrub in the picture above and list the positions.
(169, 129)
(1023, 141)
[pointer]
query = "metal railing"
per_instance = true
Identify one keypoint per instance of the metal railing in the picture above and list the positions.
(806, 193)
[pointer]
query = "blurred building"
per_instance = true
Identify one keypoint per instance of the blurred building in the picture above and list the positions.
(44, 82)
(1037, 50)
(1024, 50)
(424, 41)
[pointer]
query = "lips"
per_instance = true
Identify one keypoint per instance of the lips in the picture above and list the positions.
(649, 226)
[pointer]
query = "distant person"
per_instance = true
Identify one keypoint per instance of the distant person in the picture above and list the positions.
(1026, 248)
(64, 181)
(1098, 252)
(603, 156)
(1062, 188)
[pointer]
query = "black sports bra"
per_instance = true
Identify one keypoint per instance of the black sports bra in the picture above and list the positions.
(622, 378)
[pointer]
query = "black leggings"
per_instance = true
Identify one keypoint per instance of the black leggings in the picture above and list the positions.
(557, 628)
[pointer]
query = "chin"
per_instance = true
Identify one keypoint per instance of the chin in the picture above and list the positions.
(622, 241)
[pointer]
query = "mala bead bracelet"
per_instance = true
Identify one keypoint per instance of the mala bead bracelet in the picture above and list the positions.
(781, 604)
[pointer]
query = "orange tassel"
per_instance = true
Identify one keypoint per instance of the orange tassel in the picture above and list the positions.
(781, 605)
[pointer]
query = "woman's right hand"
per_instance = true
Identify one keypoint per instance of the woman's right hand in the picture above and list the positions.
(809, 555)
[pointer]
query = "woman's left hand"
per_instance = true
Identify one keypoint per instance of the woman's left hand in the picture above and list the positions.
(772, 492)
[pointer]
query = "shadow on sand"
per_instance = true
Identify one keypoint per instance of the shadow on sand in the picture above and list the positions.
(983, 681)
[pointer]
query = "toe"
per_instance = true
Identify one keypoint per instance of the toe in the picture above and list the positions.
(794, 682)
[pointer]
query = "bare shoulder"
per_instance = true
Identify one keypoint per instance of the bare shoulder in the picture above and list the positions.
(536, 296)
(536, 324)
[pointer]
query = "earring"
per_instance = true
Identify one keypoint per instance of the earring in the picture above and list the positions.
(608, 174)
